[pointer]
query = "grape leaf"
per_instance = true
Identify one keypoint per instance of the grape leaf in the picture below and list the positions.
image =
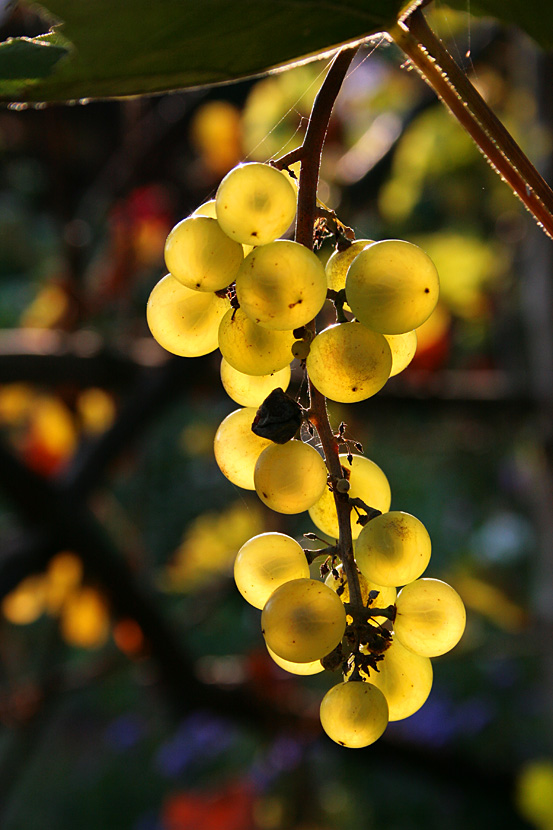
(25, 61)
(533, 16)
(136, 47)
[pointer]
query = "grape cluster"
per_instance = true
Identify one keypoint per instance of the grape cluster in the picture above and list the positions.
(233, 283)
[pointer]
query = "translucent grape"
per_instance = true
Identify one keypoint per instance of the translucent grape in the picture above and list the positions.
(303, 620)
(348, 363)
(403, 348)
(237, 448)
(251, 349)
(281, 285)
(201, 256)
(405, 680)
(338, 263)
(251, 390)
(183, 321)
(314, 667)
(386, 596)
(392, 286)
(354, 714)
(255, 204)
(264, 563)
(367, 482)
(393, 549)
(291, 477)
(209, 209)
(430, 617)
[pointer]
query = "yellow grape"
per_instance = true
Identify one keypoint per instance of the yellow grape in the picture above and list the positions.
(303, 620)
(430, 617)
(201, 256)
(392, 286)
(367, 482)
(405, 680)
(386, 595)
(403, 348)
(264, 563)
(183, 321)
(281, 285)
(251, 390)
(393, 549)
(314, 667)
(255, 204)
(338, 263)
(206, 209)
(237, 448)
(290, 478)
(209, 209)
(354, 714)
(348, 363)
(252, 349)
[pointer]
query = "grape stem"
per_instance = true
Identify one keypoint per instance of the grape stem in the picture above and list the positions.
(413, 35)
(310, 156)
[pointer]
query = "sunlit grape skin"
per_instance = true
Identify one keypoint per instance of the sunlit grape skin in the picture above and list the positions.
(251, 390)
(304, 669)
(255, 204)
(201, 256)
(291, 477)
(354, 714)
(405, 680)
(393, 549)
(392, 286)
(367, 482)
(348, 363)
(252, 349)
(281, 285)
(303, 620)
(430, 618)
(183, 321)
(403, 348)
(264, 563)
(338, 263)
(237, 448)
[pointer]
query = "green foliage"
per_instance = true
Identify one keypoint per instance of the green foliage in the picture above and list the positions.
(136, 47)
(526, 14)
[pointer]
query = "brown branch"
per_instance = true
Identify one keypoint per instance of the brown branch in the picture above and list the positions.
(439, 70)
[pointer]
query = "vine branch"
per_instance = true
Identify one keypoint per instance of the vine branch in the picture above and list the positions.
(426, 52)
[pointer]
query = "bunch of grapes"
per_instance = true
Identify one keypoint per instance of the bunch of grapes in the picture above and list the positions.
(235, 284)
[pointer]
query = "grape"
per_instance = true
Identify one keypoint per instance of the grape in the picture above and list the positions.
(303, 620)
(255, 204)
(183, 321)
(201, 256)
(314, 667)
(237, 448)
(338, 263)
(386, 595)
(290, 478)
(251, 349)
(251, 390)
(403, 348)
(349, 363)
(392, 286)
(405, 680)
(367, 482)
(393, 549)
(354, 714)
(265, 562)
(430, 617)
(281, 285)
(206, 209)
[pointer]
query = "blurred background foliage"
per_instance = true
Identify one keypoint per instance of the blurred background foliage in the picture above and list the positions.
(135, 691)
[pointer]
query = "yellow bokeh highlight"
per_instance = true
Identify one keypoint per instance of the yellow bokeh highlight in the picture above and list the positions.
(491, 602)
(53, 428)
(96, 409)
(48, 308)
(25, 604)
(16, 401)
(85, 619)
(534, 793)
(211, 543)
(64, 574)
(217, 135)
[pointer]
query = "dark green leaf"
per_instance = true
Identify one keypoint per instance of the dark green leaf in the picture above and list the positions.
(535, 17)
(134, 47)
(26, 60)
